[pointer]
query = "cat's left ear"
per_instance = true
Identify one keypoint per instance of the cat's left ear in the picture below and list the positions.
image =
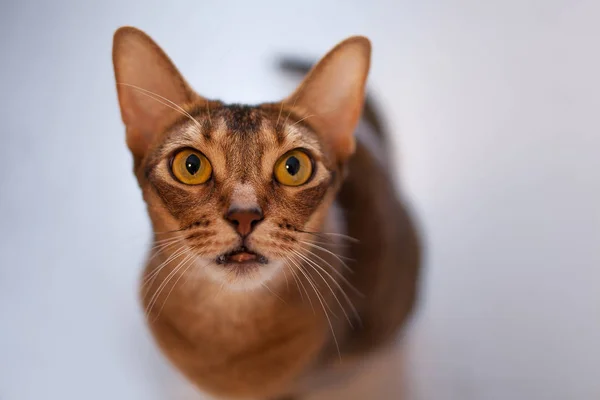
(333, 93)
(150, 88)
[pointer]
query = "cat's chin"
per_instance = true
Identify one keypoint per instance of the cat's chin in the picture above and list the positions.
(250, 274)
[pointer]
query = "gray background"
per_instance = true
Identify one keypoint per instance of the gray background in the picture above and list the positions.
(494, 107)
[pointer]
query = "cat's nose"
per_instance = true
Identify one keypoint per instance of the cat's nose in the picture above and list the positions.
(244, 221)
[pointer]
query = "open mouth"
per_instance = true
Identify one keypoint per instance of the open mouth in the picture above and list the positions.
(241, 255)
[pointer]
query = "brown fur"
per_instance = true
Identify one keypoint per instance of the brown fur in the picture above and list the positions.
(264, 332)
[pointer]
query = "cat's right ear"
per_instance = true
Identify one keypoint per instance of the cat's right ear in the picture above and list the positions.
(149, 86)
(333, 92)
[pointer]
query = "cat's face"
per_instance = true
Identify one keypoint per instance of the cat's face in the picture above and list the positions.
(242, 191)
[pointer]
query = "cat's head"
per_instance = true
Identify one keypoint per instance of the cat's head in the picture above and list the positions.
(241, 189)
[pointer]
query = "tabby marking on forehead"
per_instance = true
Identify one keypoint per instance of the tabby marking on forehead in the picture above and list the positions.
(242, 119)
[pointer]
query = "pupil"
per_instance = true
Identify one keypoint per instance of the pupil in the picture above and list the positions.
(192, 164)
(292, 165)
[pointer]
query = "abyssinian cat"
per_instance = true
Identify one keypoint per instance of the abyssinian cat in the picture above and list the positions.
(281, 248)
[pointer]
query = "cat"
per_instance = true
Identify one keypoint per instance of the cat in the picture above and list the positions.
(281, 247)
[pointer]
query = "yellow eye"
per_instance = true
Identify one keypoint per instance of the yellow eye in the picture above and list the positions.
(294, 168)
(191, 167)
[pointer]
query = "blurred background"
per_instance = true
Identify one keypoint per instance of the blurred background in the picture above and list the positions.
(494, 108)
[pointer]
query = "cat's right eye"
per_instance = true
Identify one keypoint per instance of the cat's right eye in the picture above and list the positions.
(191, 167)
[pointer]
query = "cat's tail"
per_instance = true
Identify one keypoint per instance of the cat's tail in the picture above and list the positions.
(371, 114)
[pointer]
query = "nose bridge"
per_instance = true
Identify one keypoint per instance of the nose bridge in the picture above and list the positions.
(243, 197)
(244, 212)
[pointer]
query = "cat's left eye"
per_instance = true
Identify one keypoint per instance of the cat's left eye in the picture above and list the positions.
(294, 168)
(191, 167)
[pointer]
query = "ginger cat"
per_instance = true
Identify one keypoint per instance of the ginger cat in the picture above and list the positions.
(282, 249)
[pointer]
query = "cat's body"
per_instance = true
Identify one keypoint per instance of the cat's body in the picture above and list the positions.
(327, 269)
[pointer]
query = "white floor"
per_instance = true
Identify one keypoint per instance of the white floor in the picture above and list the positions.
(495, 109)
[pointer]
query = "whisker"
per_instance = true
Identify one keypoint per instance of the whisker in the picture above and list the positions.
(219, 291)
(149, 280)
(317, 291)
(279, 116)
(154, 274)
(302, 119)
(295, 276)
(342, 290)
(157, 250)
(294, 104)
(175, 254)
(273, 293)
(161, 246)
(302, 283)
(335, 234)
(330, 243)
(169, 232)
(337, 346)
(167, 239)
(314, 283)
(340, 235)
(338, 273)
(173, 105)
(314, 264)
(189, 258)
(164, 283)
(308, 116)
(330, 252)
(287, 283)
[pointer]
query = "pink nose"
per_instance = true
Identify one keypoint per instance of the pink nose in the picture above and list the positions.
(244, 221)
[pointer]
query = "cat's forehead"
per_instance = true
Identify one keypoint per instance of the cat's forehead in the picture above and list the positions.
(241, 130)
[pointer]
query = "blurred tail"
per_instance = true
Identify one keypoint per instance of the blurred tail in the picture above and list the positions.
(370, 112)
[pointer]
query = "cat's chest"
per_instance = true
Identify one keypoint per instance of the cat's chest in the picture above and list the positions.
(233, 321)
(248, 343)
